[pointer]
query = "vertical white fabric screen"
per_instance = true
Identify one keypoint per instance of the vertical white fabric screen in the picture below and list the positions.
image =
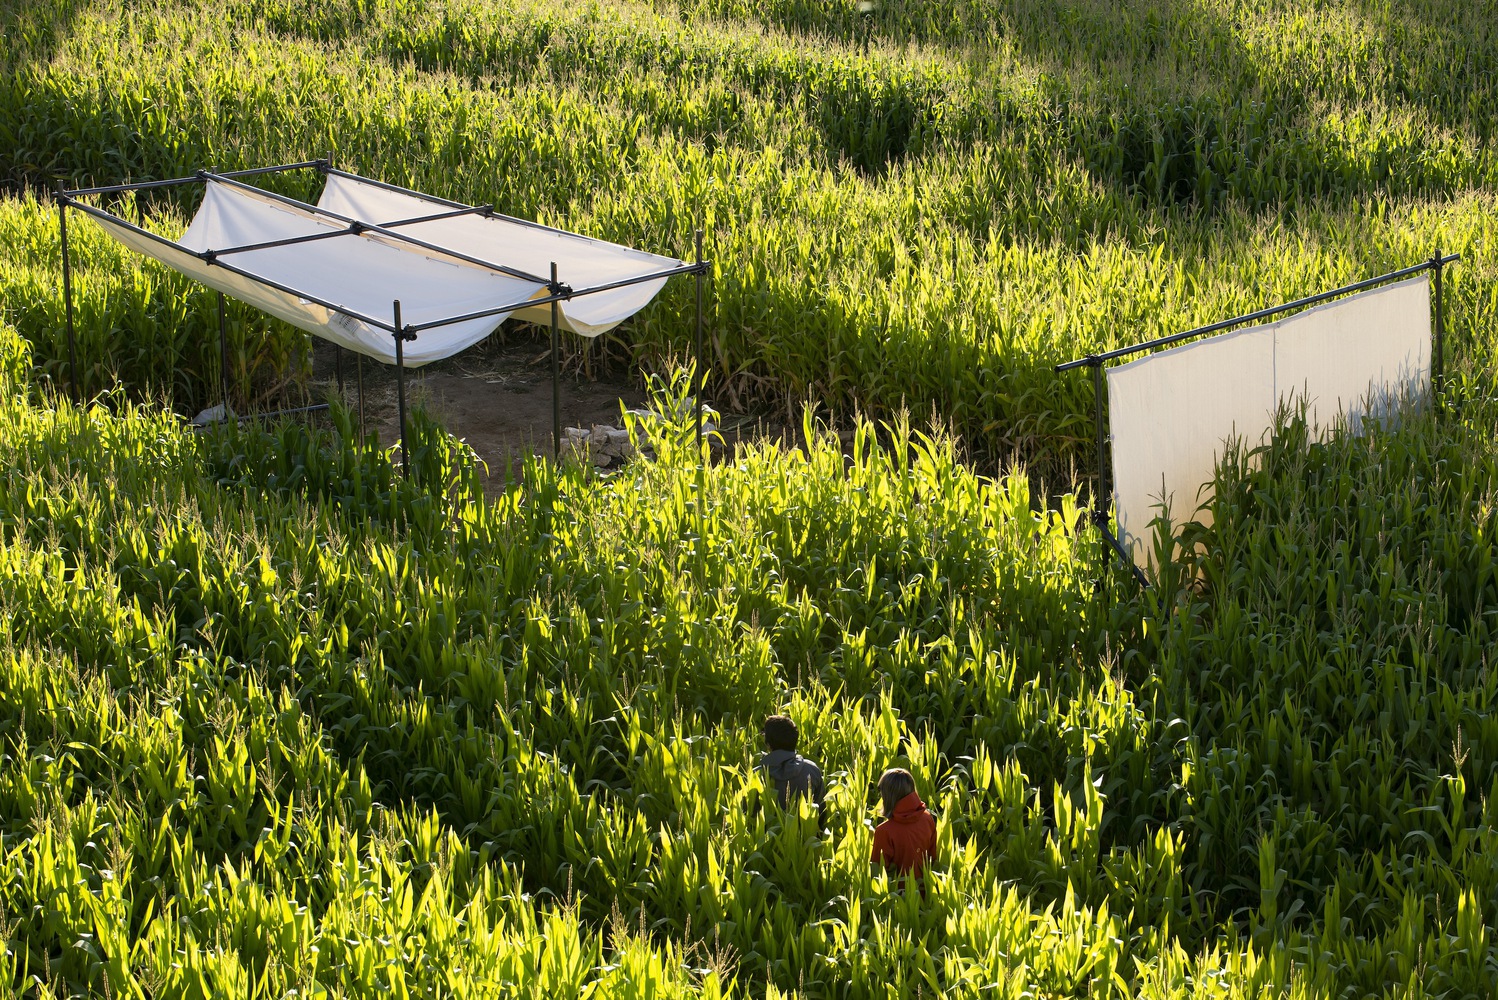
(1171, 413)
(1358, 356)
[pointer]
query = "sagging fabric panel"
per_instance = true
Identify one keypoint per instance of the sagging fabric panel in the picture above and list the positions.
(581, 261)
(362, 273)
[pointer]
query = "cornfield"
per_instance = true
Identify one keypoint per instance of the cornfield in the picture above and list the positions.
(276, 719)
(898, 220)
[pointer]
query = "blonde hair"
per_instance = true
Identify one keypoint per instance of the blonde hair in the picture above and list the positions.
(894, 785)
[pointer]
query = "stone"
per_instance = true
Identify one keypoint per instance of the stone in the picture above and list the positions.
(212, 415)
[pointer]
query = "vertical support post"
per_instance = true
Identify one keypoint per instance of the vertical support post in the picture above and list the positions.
(400, 387)
(701, 499)
(1438, 362)
(556, 370)
(67, 293)
(359, 371)
(1101, 491)
(223, 353)
(338, 367)
(697, 389)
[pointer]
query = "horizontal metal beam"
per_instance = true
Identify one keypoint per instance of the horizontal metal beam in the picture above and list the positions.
(195, 178)
(353, 229)
(416, 328)
(290, 241)
(1310, 300)
(671, 272)
(705, 268)
(99, 213)
(396, 188)
(376, 323)
(455, 204)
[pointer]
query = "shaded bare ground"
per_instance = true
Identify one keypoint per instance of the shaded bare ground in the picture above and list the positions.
(497, 396)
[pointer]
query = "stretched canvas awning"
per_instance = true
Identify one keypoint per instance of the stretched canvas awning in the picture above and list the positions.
(1172, 413)
(335, 269)
(392, 274)
(582, 262)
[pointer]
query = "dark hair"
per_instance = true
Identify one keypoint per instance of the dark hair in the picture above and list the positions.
(894, 785)
(780, 732)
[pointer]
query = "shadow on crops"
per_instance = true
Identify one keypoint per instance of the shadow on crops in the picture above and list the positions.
(30, 35)
(1440, 58)
(34, 30)
(1164, 103)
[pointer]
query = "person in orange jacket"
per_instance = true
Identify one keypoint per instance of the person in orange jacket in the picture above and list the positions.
(906, 841)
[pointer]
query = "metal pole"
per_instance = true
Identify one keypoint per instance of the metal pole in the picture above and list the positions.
(1439, 362)
(67, 294)
(400, 387)
(1248, 317)
(338, 367)
(697, 389)
(556, 373)
(359, 368)
(1099, 510)
(223, 353)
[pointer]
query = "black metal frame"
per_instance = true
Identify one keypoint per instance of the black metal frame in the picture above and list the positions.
(1103, 492)
(557, 292)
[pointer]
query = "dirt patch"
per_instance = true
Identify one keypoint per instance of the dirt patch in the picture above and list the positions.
(497, 396)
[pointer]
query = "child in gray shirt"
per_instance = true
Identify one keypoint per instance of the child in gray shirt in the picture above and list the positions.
(792, 775)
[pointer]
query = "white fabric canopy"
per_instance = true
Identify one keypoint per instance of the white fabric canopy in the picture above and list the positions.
(1171, 413)
(581, 262)
(364, 274)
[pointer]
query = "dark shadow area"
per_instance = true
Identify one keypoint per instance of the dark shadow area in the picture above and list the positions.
(1166, 101)
(31, 33)
(34, 29)
(1163, 103)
